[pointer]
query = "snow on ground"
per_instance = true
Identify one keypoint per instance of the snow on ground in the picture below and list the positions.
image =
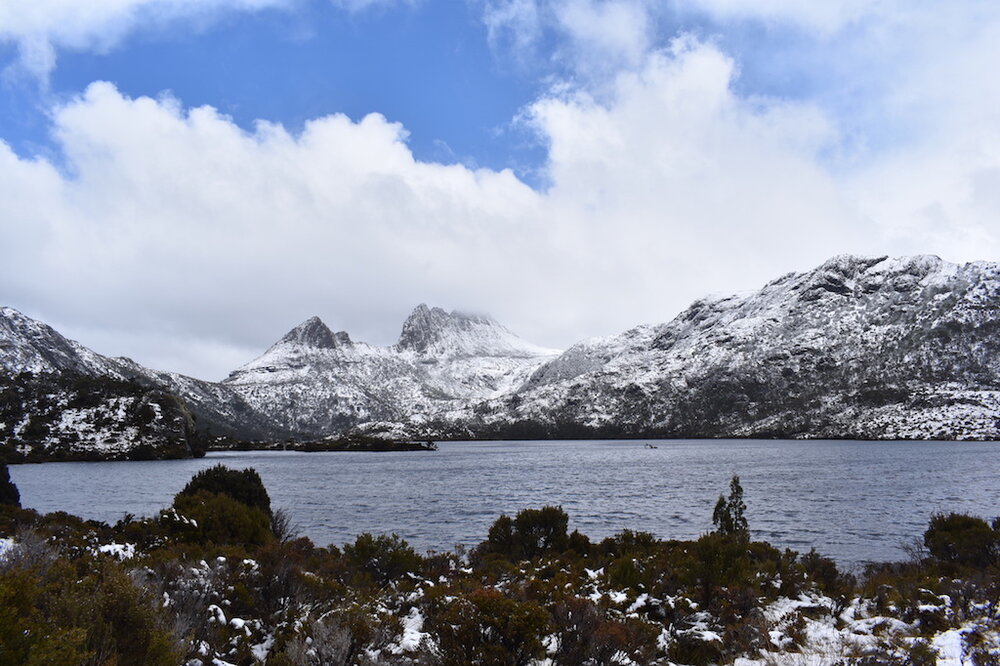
(413, 623)
(121, 551)
(6, 544)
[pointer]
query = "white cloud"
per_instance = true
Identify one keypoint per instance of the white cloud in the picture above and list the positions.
(689, 189)
(179, 216)
(825, 15)
(513, 26)
(901, 95)
(41, 27)
(593, 39)
(176, 223)
(363, 5)
(605, 36)
(665, 184)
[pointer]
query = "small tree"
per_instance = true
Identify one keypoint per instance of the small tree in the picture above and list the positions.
(729, 516)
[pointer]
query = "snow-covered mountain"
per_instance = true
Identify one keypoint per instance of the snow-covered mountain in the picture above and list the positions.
(312, 382)
(29, 346)
(315, 382)
(60, 400)
(872, 348)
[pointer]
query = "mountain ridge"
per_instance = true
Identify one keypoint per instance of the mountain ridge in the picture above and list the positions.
(858, 347)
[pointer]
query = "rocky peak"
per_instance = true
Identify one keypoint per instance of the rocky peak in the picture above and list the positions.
(433, 332)
(314, 333)
(29, 345)
(427, 328)
(849, 275)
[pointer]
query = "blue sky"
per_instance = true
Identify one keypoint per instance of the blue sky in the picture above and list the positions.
(426, 66)
(430, 66)
(183, 181)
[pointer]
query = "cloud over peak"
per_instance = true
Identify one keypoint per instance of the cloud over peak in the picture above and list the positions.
(669, 173)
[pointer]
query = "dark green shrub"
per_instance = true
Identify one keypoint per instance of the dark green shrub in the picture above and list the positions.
(531, 533)
(624, 572)
(823, 571)
(628, 542)
(579, 543)
(960, 539)
(53, 611)
(383, 558)
(243, 486)
(485, 627)
(12, 518)
(541, 530)
(921, 654)
(220, 519)
(719, 561)
(500, 539)
(8, 491)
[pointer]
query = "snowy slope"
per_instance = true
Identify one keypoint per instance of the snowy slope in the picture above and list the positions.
(316, 382)
(27, 345)
(71, 416)
(859, 347)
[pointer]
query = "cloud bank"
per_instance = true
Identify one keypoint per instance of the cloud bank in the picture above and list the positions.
(168, 214)
(171, 234)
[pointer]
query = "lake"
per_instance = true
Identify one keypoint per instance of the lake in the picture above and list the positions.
(853, 501)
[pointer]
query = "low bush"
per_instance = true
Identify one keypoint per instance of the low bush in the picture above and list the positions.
(531, 533)
(487, 627)
(57, 611)
(218, 518)
(382, 558)
(244, 486)
(963, 540)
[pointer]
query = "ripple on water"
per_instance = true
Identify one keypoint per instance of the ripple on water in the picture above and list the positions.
(853, 501)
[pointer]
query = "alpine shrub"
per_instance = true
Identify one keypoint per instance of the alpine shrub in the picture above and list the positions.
(961, 539)
(531, 533)
(243, 486)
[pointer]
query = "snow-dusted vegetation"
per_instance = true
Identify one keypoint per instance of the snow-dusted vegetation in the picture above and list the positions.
(221, 579)
(78, 417)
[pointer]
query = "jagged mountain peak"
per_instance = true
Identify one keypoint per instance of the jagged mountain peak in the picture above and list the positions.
(432, 331)
(314, 333)
(426, 326)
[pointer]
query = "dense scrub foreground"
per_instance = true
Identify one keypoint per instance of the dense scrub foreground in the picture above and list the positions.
(220, 578)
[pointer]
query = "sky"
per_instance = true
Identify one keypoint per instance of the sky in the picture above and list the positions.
(182, 181)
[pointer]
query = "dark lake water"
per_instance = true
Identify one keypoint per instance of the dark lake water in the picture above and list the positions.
(853, 501)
